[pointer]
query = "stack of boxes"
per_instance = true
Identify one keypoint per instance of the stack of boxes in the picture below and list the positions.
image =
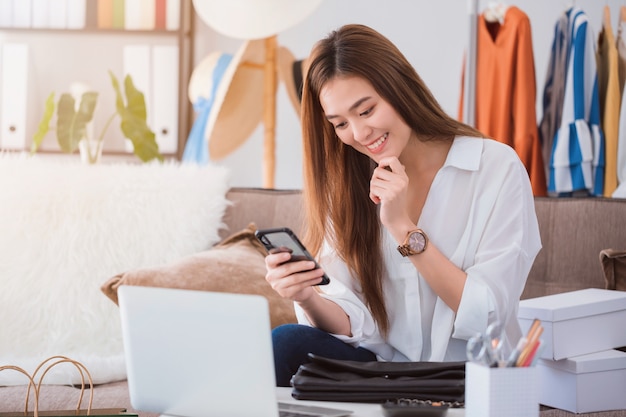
(580, 368)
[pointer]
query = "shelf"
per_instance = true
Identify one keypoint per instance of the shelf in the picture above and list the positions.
(58, 57)
(127, 32)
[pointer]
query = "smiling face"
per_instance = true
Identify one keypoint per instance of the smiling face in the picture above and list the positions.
(363, 119)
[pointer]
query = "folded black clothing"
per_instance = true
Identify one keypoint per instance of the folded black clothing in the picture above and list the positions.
(326, 379)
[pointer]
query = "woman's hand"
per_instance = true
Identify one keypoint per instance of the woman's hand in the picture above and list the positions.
(388, 187)
(295, 281)
(292, 280)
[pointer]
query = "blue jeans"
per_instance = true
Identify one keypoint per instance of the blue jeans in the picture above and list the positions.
(292, 343)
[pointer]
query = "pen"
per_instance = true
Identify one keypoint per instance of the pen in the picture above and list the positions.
(537, 353)
(533, 328)
(512, 359)
(531, 353)
(533, 335)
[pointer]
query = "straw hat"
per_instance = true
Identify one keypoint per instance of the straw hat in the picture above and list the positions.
(253, 19)
(292, 72)
(237, 107)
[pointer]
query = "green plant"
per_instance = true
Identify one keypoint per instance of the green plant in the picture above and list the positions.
(72, 122)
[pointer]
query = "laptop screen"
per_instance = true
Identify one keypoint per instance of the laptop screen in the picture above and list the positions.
(196, 353)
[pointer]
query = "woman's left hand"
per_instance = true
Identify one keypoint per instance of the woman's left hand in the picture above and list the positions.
(388, 187)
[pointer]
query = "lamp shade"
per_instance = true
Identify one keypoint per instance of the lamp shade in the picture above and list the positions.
(253, 19)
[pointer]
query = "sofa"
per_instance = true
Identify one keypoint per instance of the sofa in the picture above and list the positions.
(573, 231)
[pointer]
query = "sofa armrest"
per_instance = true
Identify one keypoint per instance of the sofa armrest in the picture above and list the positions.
(573, 232)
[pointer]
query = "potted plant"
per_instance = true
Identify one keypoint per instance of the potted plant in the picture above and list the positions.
(73, 122)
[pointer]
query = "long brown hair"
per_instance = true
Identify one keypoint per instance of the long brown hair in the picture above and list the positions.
(337, 177)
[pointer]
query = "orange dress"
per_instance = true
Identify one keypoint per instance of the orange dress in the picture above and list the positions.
(506, 90)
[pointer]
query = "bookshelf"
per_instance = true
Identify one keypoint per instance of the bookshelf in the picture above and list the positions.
(159, 58)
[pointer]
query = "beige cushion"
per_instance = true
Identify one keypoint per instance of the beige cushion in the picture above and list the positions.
(236, 265)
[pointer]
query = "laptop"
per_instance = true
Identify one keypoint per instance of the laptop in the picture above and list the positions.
(200, 354)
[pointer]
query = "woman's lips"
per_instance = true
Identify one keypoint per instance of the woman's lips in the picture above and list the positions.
(377, 144)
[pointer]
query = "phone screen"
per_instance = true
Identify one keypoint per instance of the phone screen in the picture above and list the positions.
(285, 240)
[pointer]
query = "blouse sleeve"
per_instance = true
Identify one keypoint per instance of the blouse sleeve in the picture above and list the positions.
(342, 291)
(504, 252)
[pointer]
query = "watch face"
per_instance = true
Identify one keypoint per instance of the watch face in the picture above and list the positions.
(417, 241)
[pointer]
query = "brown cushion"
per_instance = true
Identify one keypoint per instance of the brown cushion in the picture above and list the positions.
(236, 265)
(614, 267)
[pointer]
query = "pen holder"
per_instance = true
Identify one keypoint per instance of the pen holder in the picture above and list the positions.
(497, 392)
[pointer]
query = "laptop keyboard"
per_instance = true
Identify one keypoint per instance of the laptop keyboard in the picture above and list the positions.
(285, 413)
(300, 410)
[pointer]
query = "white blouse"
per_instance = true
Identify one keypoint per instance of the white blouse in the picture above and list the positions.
(480, 214)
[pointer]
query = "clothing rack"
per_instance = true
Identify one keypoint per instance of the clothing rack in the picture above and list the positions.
(469, 102)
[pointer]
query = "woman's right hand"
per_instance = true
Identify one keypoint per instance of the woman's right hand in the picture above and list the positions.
(295, 281)
(292, 280)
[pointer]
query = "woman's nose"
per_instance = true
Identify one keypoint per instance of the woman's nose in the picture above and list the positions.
(361, 132)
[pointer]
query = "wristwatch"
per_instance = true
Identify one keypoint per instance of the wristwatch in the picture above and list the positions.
(415, 243)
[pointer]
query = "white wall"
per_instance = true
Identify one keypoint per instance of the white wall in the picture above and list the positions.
(432, 34)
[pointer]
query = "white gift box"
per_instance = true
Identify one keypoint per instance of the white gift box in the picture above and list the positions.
(499, 392)
(577, 322)
(584, 384)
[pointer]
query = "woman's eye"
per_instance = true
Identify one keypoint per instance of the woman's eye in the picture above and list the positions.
(340, 125)
(366, 112)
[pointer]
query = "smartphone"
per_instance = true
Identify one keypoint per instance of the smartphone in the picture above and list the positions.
(283, 239)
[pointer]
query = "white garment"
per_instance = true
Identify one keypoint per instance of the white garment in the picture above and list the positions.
(480, 214)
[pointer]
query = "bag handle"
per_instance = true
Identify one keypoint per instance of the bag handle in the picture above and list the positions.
(37, 386)
(31, 382)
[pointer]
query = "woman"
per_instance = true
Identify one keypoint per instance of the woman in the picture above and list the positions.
(426, 229)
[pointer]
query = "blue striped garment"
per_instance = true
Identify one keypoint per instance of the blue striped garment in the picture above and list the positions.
(577, 159)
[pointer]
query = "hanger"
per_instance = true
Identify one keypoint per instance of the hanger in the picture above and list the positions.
(495, 12)
(607, 16)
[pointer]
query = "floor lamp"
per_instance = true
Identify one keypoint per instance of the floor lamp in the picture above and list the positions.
(269, 112)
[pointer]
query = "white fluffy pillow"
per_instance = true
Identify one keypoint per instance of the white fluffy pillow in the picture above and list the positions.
(66, 227)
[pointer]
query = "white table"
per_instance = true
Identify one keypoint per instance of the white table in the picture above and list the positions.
(360, 409)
